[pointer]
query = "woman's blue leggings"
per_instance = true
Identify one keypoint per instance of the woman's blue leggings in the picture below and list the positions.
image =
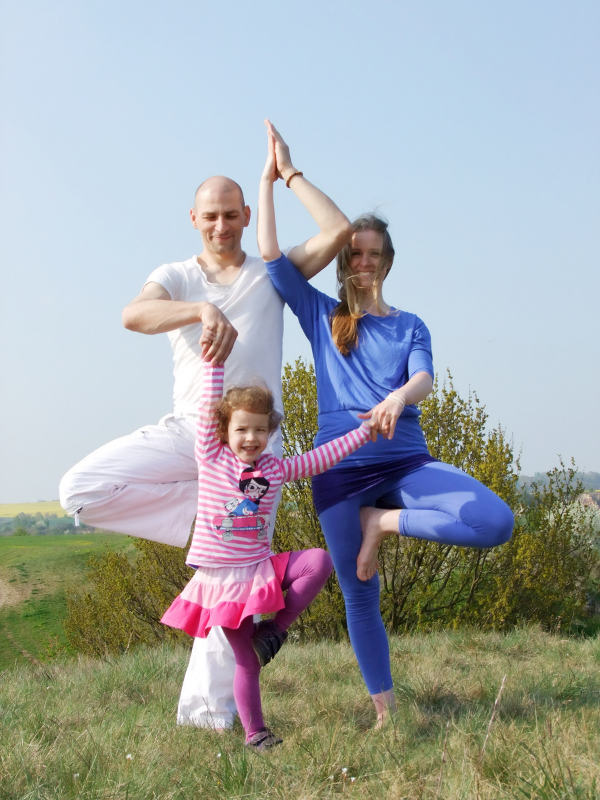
(441, 504)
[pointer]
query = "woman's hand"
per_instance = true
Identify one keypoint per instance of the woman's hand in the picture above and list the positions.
(266, 229)
(383, 418)
(385, 414)
(270, 170)
(283, 160)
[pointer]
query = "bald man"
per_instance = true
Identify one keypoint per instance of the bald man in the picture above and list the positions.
(220, 305)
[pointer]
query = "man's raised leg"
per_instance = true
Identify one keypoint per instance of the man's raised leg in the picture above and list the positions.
(144, 484)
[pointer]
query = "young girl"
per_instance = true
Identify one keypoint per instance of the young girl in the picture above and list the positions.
(237, 573)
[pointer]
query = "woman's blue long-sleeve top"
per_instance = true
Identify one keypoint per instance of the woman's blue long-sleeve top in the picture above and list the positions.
(390, 351)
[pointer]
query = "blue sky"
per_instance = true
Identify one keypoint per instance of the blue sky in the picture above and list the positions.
(474, 127)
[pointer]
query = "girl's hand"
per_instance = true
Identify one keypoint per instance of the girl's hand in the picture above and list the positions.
(282, 153)
(270, 170)
(383, 418)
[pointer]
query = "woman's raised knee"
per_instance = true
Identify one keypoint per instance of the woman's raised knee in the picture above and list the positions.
(498, 524)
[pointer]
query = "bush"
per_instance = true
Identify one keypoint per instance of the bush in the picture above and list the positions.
(128, 600)
(297, 526)
(423, 584)
(549, 569)
(426, 585)
(544, 574)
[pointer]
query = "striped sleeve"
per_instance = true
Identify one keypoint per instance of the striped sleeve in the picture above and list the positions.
(207, 444)
(326, 456)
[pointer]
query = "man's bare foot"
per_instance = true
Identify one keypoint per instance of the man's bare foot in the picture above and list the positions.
(376, 524)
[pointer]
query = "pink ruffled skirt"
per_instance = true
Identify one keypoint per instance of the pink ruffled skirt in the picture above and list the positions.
(224, 596)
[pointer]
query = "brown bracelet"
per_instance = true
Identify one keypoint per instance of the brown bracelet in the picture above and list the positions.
(293, 175)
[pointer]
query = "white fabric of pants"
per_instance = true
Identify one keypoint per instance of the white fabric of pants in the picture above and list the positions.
(146, 485)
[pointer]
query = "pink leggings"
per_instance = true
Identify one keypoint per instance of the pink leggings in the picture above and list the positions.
(305, 576)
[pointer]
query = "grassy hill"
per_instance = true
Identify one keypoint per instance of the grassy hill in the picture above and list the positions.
(106, 729)
(34, 574)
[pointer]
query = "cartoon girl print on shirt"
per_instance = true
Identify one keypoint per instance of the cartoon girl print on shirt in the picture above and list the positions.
(253, 486)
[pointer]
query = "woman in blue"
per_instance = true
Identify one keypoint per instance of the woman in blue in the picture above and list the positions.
(371, 357)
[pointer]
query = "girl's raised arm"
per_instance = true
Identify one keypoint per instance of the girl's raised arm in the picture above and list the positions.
(207, 444)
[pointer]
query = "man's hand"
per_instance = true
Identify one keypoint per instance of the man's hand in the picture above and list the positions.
(218, 335)
(153, 311)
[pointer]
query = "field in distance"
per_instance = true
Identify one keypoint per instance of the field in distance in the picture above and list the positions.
(43, 507)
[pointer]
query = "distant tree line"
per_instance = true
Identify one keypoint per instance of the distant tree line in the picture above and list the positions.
(548, 573)
(39, 524)
(590, 481)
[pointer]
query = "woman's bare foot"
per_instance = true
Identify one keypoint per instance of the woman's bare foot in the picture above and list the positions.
(376, 524)
(385, 705)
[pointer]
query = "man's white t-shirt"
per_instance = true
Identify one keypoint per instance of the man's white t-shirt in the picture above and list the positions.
(254, 309)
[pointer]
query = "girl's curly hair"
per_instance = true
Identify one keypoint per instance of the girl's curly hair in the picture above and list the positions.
(256, 399)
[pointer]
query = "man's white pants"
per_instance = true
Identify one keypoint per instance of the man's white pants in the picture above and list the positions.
(146, 485)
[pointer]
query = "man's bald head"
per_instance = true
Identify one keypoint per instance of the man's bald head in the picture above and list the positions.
(220, 214)
(218, 185)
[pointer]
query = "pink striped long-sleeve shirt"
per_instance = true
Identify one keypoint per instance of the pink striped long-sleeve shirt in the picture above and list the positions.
(235, 500)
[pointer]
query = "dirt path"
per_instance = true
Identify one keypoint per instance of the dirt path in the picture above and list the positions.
(22, 651)
(12, 592)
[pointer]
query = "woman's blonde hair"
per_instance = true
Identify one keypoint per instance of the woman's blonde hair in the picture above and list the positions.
(256, 399)
(344, 317)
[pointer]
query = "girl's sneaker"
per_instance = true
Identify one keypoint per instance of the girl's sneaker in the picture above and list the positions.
(263, 740)
(268, 641)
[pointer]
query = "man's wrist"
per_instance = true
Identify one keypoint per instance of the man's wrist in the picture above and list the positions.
(200, 307)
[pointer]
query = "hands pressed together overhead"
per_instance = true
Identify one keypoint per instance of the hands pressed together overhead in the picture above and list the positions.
(279, 162)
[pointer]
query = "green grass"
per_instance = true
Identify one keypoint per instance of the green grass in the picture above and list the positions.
(68, 727)
(43, 507)
(35, 572)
